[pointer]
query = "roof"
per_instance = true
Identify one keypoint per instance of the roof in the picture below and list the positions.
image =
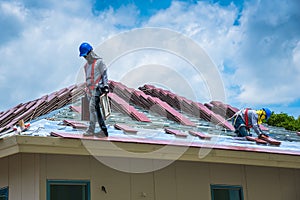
(142, 119)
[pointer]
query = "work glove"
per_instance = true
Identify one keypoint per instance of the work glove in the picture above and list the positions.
(105, 90)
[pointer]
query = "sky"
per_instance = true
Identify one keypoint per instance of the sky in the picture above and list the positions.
(254, 44)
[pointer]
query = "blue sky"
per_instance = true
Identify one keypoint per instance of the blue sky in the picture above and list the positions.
(255, 44)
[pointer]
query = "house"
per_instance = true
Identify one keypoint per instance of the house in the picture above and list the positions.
(161, 146)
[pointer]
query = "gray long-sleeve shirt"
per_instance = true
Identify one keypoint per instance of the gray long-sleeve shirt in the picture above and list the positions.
(100, 70)
(252, 120)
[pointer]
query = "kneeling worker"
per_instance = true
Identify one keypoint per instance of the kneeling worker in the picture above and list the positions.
(247, 118)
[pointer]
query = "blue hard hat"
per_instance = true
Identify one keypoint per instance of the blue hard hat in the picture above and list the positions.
(84, 49)
(268, 112)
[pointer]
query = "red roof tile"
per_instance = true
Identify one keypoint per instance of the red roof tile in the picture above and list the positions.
(200, 135)
(188, 106)
(125, 128)
(76, 108)
(75, 124)
(175, 132)
(122, 106)
(149, 102)
(38, 107)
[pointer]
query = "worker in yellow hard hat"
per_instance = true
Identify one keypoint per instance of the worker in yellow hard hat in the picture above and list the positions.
(247, 118)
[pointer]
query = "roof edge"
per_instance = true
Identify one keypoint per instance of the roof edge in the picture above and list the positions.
(52, 145)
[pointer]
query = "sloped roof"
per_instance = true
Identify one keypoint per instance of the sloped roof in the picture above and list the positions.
(38, 107)
(147, 115)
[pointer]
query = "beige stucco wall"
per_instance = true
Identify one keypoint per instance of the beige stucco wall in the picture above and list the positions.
(26, 176)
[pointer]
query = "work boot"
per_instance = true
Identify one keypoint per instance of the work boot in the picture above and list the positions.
(105, 132)
(102, 133)
(88, 133)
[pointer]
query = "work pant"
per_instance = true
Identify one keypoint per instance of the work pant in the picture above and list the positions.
(240, 128)
(95, 113)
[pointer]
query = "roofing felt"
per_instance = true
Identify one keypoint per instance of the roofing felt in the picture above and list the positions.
(145, 115)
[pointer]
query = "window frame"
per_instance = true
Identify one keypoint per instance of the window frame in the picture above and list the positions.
(4, 191)
(228, 187)
(68, 182)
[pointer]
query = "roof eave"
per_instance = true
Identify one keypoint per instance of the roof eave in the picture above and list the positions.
(52, 145)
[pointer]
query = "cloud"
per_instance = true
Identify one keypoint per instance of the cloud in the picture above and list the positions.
(209, 25)
(12, 16)
(258, 58)
(41, 55)
(266, 71)
(161, 68)
(30, 57)
(296, 56)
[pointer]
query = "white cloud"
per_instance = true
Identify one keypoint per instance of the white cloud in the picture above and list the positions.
(262, 53)
(259, 59)
(265, 71)
(296, 56)
(161, 68)
(13, 9)
(211, 26)
(43, 56)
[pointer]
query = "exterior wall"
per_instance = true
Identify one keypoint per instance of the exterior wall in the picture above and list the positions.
(21, 173)
(180, 180)
(26, 176)
(4, 172)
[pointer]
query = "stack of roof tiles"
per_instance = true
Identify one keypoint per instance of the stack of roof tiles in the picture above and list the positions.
(162, 102)
(222, 109)
(119, 104)
(44, 105)
(149, 102)
(195, 108)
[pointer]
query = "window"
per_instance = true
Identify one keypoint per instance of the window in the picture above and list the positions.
(4, 193)
(68, 190)
(226, 192)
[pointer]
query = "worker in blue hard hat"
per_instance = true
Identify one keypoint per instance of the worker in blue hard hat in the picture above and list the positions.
(97, 84)
(247, 118)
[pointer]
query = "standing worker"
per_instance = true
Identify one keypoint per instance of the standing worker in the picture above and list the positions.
(97, 84)
(247, 118)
